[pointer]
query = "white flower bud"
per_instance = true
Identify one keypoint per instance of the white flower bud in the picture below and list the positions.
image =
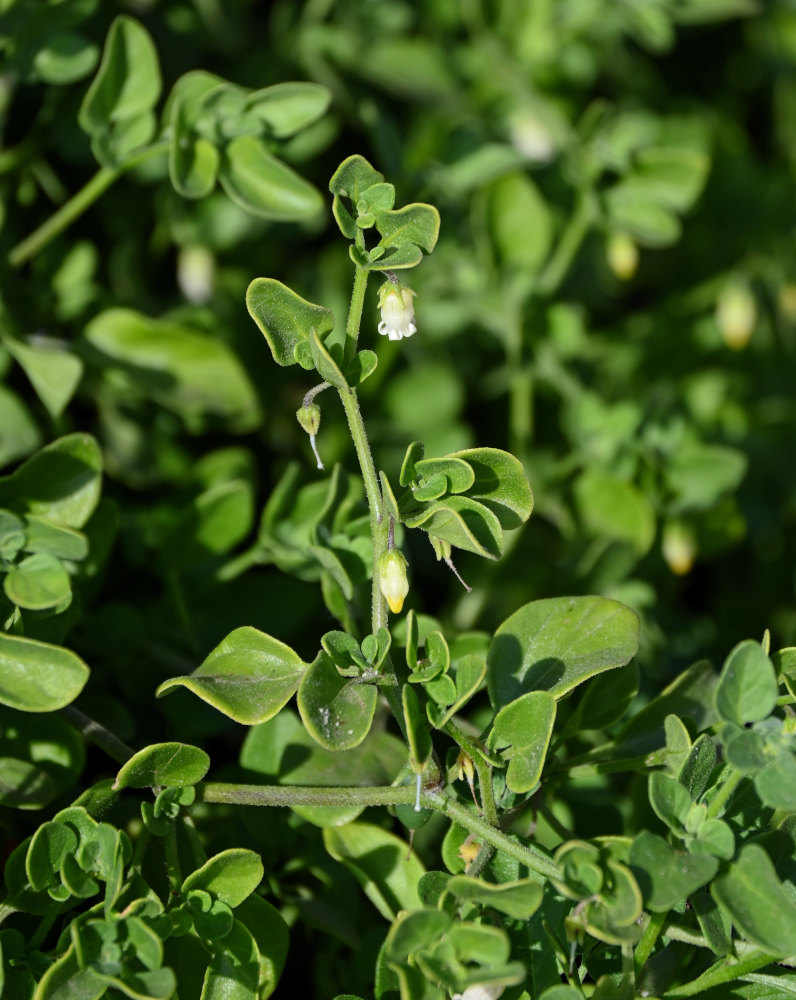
(397, 310)
(392, 579)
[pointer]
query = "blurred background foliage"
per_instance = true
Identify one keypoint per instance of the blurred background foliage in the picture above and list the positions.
(613, 299)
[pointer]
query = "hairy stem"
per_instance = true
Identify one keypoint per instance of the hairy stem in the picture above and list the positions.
(647, 942)
(97, 734)
(76, 205)
(380, 795)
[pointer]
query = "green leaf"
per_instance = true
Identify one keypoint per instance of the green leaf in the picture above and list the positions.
(65, 58)
(670, 800)
(520, 223)
(38, 677)
(463, 522)
(699, 474)
(776, 783)
(232, 876)
(193, 160)
(325, 364)
(283, 752)
(285, 319)
(382, 864)
(61, 482)
(459, 474)
(555, 644)
(53, 372)
(615, 509)
(667, 876)
(19, 435)
(350, 181)
(128, 80)
(169, 764)
(270, 932)
(234, 969)
(286, 108)
(416, 224)
(65, 980)
(650, 224)
(249, 676)
(24, 786)
(417, 734)
(43, 535)
(500, 483)
(747, 689)
(337, 711)
(518, 899)
(38, 582)
(187, 371)
(51, 843)
(265, 186)
(361, 366)
(470, 672)
(750, 893)
(698, 766)
(521, 734)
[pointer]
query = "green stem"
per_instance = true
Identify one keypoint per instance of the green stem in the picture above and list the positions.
(724, 794)
(355, 312)
(76, 205)
(45, 924)
(173, 868)
(97, 734)
(647, 942)
(720, 973)
(568, 245)
(383, 795)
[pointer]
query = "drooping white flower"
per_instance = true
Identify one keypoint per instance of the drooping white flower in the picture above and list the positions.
(397, 310)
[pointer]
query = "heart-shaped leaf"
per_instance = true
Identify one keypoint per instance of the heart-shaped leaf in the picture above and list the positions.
(337, 711)
(285, 318)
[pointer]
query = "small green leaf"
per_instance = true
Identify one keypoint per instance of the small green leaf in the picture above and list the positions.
(53, 372)
(285, 318)
(265, 186)
(500, 483)
(518, 899)
(747, 689)
(234, 969)
(361, 366)
(128, 80)
(65, 980)
(750, 893)
(50, 845)
(521, 733)
(470, 672)
(65, 58)
(337, 711)
(416, 224)
(417, 735)
(325, 364)
(24, 786)
(231, 875)
(43, 535)
(698, 766)
(351, 179)
(667, 876)
(776, 783)
(670, 800)
(382, 864)
(38, 677)
(249, 676)
(167, 764)
(458, 473)
(270, 932)
(286, 108)
(38, 582)
(61, 482)
(557, 643)
(715, 837)
(465, 523)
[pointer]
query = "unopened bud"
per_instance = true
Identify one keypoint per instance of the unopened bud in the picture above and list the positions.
(393, 581)
(622, 254)
(678, 547)
(309, 417)
(736, 314)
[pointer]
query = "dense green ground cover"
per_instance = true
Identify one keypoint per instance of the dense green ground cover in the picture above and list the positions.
(593, 202)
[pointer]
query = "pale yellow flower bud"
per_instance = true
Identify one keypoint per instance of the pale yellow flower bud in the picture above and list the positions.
(393, 582)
